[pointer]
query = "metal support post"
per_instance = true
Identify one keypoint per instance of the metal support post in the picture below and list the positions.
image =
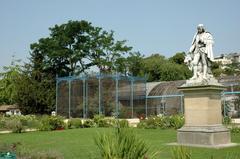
(84, 98)
(131, 99)
(146, 108)
(99, 95)
(116, 97)
(56, 102)
(181, 105)
(69, 98)
(224, 105)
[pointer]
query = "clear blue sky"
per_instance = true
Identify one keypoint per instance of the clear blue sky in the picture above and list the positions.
(150, 26)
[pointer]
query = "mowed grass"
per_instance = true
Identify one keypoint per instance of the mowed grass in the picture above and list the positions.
(79, 143)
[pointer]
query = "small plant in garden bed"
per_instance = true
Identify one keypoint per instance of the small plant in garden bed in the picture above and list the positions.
(51, 123)
(121, 144)
(89, 123)
(227, 120)
(19, 123)
(74, 123)
(163, 122)
(15, 125)
(235, 128)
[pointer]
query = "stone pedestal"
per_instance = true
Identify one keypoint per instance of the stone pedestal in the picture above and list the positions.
(203, 117)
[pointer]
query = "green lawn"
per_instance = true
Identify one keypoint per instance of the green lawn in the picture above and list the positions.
(79, 143)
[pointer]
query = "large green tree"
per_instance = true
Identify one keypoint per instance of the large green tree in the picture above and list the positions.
(152, 66)
(178, 58)
(8, 78)
(64, 51)
(232, 69)
(159, 68)
(106, 53)
(76, 46)
(135, 64)
(35, 94)
(71, 48)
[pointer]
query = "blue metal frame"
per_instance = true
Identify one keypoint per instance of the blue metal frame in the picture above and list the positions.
(165, 96)
(116, 77)
(224, 100)
(237, 92)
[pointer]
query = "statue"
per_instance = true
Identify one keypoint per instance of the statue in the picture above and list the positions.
(202, 98)
(200, 57)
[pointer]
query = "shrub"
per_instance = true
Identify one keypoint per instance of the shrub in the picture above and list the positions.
(51, 123)
(163, 122)
(227, 120)
(100, 121)
(176, 121)
(14, 125)
(142, 125)
(2, 122)
(235, 129)
(121, 144)
(89, 123)
(30, 121)
(75, 123)
(149, 123)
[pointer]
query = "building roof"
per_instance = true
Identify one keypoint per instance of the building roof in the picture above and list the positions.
(165, 88)
(8, 107)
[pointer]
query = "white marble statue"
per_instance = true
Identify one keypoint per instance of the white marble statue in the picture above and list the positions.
(200, 57)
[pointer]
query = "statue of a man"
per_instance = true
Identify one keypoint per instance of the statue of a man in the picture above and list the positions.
(200, 54)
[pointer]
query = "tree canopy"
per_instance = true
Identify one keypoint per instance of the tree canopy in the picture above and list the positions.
(159, 68)
(76, 46)
(8, 78)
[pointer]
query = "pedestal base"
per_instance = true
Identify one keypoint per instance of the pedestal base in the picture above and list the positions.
(204, 136)
(203, 120)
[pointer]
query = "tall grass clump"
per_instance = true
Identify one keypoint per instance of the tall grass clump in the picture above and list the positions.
(121, 144)
(181, 153)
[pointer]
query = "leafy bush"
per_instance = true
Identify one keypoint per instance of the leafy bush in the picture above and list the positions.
(163, 122)
(122, 144)
(176, 121)
(2, 122)
(100, 121)
(14, 125)
(227, 120)
(235, 129)
(30, 121)
(75, 123)
(89, 123)
(149, 123)
(51, 123)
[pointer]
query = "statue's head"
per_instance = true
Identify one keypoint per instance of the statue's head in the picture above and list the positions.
(200, 28)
